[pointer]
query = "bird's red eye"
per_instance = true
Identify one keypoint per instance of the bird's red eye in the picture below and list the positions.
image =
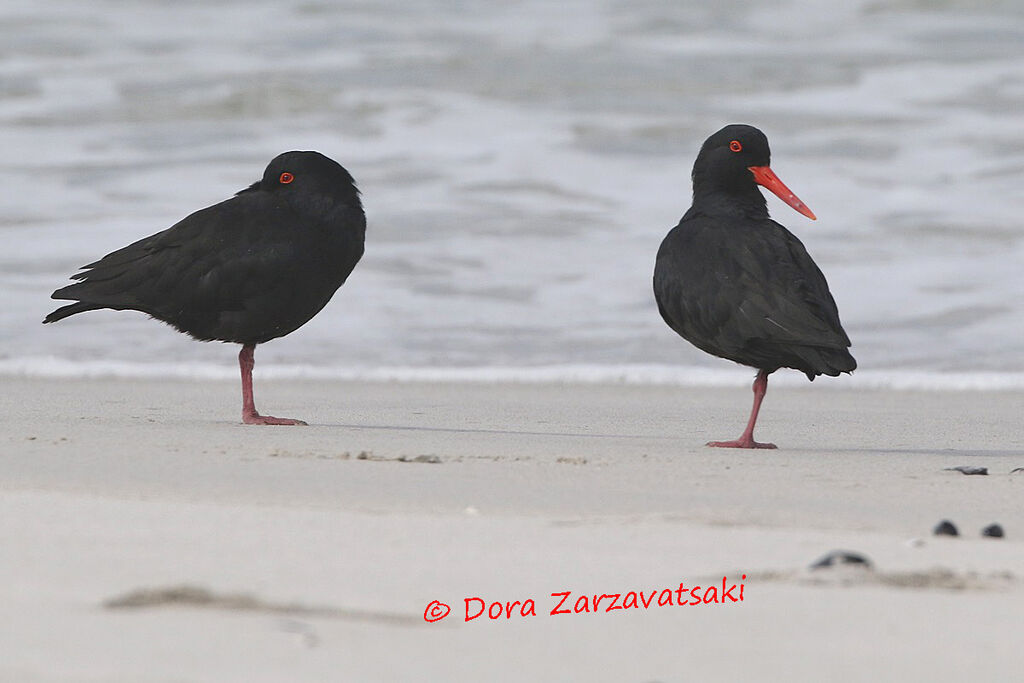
(286, 178)
(736, 146)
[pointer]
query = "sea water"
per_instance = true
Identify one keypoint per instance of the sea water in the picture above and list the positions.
(520, 163)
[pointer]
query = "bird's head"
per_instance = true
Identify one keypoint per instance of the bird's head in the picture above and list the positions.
(735, 158)
(309, 175)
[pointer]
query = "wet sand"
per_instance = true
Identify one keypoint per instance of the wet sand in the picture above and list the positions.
(150, 537)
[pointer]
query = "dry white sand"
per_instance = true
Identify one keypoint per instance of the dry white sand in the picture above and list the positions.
(147, 536)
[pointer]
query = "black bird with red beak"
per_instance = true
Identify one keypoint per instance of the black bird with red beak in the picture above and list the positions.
(738, 285)
(252, 268)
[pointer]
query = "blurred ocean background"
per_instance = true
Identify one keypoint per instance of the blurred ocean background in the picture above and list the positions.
(520, 163)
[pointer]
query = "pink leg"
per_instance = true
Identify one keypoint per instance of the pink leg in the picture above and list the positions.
(746, 440)
(249, 414)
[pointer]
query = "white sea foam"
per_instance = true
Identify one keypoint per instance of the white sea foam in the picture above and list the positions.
(661, 375)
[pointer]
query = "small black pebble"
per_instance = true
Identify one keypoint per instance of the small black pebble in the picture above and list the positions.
(837, 557)
(967, 469)
(993, 531)
(945, 528)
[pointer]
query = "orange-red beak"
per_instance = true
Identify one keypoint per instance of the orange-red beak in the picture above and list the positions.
(765, 177)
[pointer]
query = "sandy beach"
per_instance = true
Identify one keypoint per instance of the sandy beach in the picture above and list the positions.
(504, 478)
(150, 537)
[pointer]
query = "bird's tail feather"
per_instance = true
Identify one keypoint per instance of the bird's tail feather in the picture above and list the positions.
(820, 361)
(70, 309)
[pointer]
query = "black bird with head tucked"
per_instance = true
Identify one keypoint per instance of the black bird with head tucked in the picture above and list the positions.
(247, 270)
(738, 285)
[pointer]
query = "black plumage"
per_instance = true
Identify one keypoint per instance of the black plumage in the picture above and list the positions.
(738, 285)
(250, 269)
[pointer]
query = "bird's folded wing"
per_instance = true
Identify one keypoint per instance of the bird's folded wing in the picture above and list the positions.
(209, 258)
(783, 297)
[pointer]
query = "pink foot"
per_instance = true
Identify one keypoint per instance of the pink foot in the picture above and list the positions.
(746, 439)
(740, 443)
(249, 414)
(257, 419)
